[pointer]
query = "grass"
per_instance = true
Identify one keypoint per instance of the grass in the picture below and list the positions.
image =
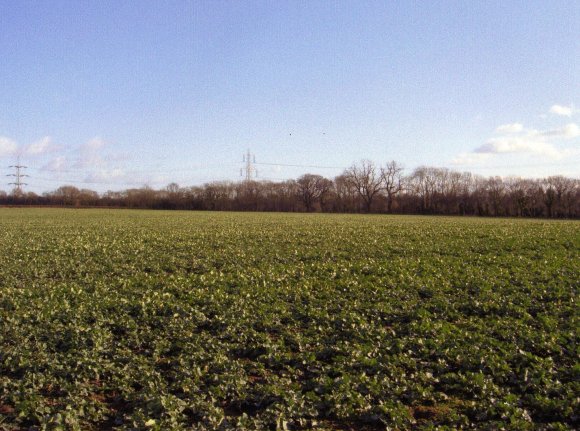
(185, 320)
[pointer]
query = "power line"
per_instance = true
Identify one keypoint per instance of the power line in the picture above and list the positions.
(274, 179)
(527, 165)
(54, 180)
(249, 161)
(141, 171)
(301, 166)
(297, 165)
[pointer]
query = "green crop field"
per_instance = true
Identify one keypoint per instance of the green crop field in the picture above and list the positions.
(217, 321)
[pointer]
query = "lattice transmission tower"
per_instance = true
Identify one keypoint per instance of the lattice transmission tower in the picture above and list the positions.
(251, 172)
(18, 175)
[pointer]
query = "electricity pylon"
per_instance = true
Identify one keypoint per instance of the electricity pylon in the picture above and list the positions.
(18, 176)
(251, 171)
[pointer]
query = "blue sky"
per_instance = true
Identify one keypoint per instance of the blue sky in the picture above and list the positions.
(110, 95)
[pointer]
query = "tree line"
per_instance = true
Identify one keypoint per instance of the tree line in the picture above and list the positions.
(364, 187)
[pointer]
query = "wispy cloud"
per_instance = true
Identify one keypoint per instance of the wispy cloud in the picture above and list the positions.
(510, 128)
(90, 154)
(565, 111)
(466, 159)
(40, 147)
(105, 176)
(94, 144)
(7, 147)
(518, 144)
(95, 161)
(569, 131)
(57, 164)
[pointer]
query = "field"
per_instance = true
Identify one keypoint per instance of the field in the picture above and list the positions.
(217, 321)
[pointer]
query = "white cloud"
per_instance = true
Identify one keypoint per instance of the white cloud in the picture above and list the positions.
(7, 147)
(90, 154)
(518, 144)
(105, 176)
(515, 139)
(94, 161)
(510, 128)
(88, 162)
(58, 164)
(569, 131)
(39, 147)
(465, 159)
(565, 111)
(94, 144)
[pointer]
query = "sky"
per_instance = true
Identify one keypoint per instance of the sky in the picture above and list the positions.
(111, 95)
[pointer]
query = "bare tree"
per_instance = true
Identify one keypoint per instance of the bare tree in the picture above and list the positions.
(467, 189)
(516, 196)
(248, 195)
(495, 188)
(549, 196)
(172, 188)
(344, 194)
(367, 181)
(71, 196)
(311, 188)
(327, 187)
(423, 182)
(172, 196)
(561, 191)
(392, 182)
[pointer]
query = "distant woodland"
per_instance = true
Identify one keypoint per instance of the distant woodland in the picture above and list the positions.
(363, 188)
